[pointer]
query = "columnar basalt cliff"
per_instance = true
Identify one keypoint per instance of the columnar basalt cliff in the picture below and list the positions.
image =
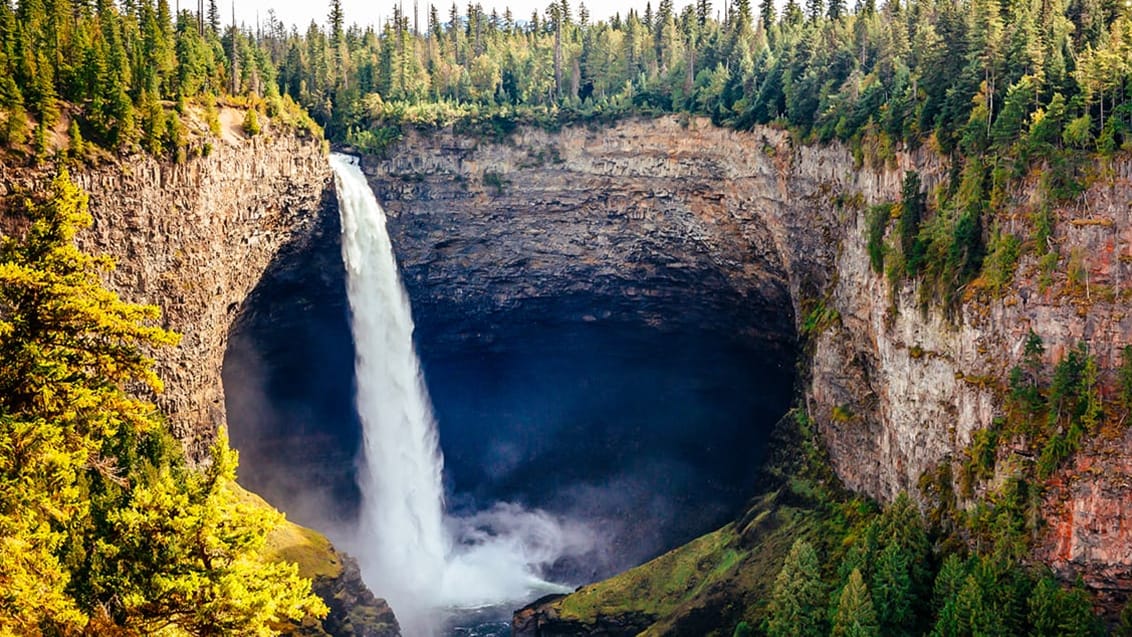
(676, 222)
(194, 239)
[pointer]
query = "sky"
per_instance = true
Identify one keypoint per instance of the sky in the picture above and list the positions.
(367, 12)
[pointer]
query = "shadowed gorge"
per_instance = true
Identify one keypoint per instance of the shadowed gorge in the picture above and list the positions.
(612, 404)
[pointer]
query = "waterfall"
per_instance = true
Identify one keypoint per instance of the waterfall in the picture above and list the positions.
(402, 493)
(422, 561)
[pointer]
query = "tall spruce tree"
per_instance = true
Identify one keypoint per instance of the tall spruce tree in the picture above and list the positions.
(798, 599)
(855, 616)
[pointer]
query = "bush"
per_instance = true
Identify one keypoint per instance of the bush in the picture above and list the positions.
(1078, 133)
(495, 180)
(878, 217)
(251, 123)
(15, 130)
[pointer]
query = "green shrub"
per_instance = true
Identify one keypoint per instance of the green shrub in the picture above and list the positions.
(495, 180)
(1001, 261)
(1078, 132)
(251, 123)
(877, 220)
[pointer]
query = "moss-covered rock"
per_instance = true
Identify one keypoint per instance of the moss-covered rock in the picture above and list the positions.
(354, 610)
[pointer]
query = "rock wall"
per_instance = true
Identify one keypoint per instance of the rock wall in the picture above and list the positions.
(633, 224)
(673, 220)
(194, 239)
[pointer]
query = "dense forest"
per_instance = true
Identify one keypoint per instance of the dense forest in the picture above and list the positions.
(104, 528)
(1007, 77)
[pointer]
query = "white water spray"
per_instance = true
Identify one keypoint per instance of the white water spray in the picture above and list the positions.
(411, 553)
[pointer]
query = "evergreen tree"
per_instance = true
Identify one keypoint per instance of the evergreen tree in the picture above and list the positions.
(767, 14)
(76, 147)
(912, 211)
(251, 123)
(797, 599)
(1056, 612)
(892, 592)
(104, 530)
(855, 616)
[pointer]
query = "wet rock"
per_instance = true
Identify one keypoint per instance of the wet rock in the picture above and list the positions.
(540, 619)
(354, 611)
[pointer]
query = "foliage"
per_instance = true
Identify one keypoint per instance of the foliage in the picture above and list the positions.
(1124, 374)
(495, 180)
(251, 123)
(797, 602)
(877, 220)
(1003, 252)
(1057, 612)
(912, 211)
(973, 77)
(124, 72)
(855, 616)
(102, 527)
(820, 318)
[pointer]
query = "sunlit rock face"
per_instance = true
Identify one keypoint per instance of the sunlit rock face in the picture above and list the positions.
(193, 238)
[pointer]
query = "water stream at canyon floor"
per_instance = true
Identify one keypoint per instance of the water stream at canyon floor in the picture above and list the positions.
(422, 560)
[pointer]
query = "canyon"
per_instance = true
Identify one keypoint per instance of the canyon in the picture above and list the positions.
(672, 221)
(666, 224)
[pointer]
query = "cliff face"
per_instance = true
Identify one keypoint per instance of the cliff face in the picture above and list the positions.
(685, 223)
(194, 239)
(635, 224)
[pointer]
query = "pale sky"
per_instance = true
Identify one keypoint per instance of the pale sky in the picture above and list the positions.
(367, 12)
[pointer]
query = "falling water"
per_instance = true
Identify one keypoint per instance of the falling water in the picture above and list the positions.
(410, 552)
(403, 497)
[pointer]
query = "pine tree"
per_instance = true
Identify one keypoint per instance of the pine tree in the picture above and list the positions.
(855, 616)
(15, 129)
(797, 599)
(948, 582)
(336, 20)
(892, 592)
(76, 147)
(912, 211)
(68, 346)
(251, 123)
(1054, 612)
(815, 9)
(767, 14)
(105, 530)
